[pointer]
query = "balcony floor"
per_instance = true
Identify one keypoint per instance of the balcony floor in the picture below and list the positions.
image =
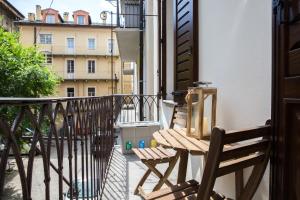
(124, 174)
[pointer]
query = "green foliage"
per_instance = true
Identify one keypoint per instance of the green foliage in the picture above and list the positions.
(23, 74)
(22, 70)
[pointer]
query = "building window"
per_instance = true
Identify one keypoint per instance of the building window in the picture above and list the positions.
(80, 19)
(50, 19)
(70, 43)
(91, 66)
(48, 57)
(70, 66)
(91, 92)
(91, 43)
(70, 92)
(110, 46)
(45, 38)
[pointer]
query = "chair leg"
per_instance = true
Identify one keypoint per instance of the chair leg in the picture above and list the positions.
(142, 181)
(167, 173)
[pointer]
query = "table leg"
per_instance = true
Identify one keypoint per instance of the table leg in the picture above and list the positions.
(182, 166)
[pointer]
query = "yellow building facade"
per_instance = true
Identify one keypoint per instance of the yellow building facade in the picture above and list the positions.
(78, 51)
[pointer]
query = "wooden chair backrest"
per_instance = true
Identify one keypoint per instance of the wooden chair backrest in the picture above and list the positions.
(253, 151)
(179, 117)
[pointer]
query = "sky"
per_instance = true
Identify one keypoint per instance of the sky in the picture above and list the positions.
(94, 7)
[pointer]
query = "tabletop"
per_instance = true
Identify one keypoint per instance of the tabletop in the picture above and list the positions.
(177, 139)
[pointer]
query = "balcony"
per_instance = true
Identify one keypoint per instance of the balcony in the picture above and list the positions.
(62, 50)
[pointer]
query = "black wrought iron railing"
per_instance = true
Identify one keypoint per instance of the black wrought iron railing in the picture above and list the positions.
(60, 148)
(69, 143)
(136, 108)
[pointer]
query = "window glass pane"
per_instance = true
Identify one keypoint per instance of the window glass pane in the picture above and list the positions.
(110, 46)
(70, 92)
(91, 43)
(50, 19)
(45, 38)
(91, 91)
(91, 66)
(80, 19)
(70, 43)
(70, 66)
(48, 57)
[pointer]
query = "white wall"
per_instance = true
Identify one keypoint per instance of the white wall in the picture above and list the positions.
(151, 49)
(235, 54)
(170, 49)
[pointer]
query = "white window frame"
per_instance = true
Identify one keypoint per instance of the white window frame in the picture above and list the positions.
(67, 43)
(67, 66)
(93, 48)
(79, 16)
(88, 67)
(46, 39)
(68, 92)
(88, 91)
(52, 18)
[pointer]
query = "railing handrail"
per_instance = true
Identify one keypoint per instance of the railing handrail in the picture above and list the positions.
(25, 100)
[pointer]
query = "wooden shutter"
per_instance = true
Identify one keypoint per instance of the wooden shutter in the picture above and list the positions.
(186, 45)
(286, 100)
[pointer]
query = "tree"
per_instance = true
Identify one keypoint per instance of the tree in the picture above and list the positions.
(22, 70)
(22, 74)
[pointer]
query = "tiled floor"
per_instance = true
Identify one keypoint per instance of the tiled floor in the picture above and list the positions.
(124, 174)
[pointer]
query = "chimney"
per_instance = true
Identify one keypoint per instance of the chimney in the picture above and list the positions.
(38, 11)
(66, 16)
(31, 17)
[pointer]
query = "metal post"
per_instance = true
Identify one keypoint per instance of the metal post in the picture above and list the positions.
(111, 54)
(141, 59)
(118, 14)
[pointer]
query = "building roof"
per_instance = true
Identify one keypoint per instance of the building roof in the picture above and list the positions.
(12, 9)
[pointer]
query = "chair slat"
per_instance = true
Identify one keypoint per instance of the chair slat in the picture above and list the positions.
(237, 136)
(146, 154)
(240, 150)
(152, 153)
(238, 164)
(182, 115)
(166, 191)
(161, 154)
(180, 194)
(180, 122)
(139, 154)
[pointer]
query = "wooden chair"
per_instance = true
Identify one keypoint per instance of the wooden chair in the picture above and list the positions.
(153, 156)
(221, 162)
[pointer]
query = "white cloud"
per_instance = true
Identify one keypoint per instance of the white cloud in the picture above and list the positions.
(94, 7)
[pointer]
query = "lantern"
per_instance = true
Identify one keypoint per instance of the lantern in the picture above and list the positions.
(197, 102)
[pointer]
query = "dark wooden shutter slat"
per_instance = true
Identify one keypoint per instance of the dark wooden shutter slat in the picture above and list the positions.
(186, 47)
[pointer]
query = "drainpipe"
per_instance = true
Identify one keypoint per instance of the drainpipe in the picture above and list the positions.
(34, 36)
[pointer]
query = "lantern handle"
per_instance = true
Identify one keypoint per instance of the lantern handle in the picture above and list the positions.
(206, 83)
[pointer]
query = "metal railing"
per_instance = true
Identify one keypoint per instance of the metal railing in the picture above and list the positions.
(136, 108)
(73, 138)
(69, 143)
(129, 15)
